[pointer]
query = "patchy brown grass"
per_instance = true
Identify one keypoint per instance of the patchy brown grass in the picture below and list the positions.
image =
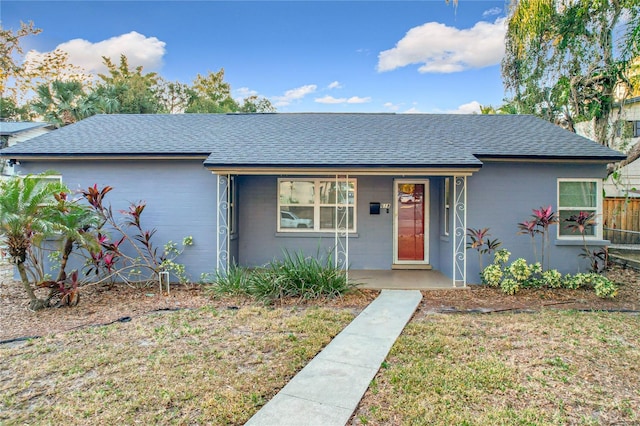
(201, 366)
(547, 368)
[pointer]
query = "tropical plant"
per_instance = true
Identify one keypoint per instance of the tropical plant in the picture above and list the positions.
(541, 220)
(63, 102)
(581, 223)
(142, 260)
(25, 220)
(480, 241)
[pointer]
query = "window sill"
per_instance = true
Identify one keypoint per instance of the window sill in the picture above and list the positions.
(313, 234)
(590, 242)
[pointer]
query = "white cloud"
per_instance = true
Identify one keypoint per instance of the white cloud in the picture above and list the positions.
(472, 107)
(391, 106)
(358, 100)
(330, 100)
(491, 12)
(443, 49)
(335, 85)
(294, 94)
(245, 92)
(139, 50)
(352, 100)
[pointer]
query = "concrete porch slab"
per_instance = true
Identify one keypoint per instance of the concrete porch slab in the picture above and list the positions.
(401, 279)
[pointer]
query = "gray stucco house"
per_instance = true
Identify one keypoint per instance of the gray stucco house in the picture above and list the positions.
(381, 191)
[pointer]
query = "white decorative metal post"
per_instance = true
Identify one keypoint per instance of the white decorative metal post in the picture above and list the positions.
(341, 245)
(222, 224)
(459, 231)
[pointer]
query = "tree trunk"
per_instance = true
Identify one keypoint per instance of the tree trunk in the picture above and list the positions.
(35, 303)
(66, 251)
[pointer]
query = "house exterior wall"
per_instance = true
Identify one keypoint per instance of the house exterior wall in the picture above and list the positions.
(371, 247)
(501, 195)
(180, 199)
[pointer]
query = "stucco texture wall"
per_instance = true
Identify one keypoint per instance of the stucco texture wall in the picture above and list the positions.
(180, 199)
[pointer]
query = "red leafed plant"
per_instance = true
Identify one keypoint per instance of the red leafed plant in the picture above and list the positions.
(541, 220)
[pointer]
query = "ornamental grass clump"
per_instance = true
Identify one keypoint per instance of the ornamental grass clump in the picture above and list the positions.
(296, 275)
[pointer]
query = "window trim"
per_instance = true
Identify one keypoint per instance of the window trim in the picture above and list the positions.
(598, 210)
(317, 205)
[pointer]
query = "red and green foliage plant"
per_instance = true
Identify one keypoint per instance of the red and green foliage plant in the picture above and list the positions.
(580, 223)
(541, 220)
(480, 241)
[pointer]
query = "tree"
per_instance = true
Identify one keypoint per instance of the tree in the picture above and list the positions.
(24, 221)
(63, 102)
(9, 46)
(211, 94)
(173, 96)
(133, 90)
(9, 111)
(563, 60)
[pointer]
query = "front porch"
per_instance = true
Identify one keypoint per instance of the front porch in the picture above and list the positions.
(401, 279)
(359, 219)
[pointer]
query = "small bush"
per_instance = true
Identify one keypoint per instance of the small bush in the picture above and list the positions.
(552, 278)
(519, 270)
(234, 283)
(492, 275)
(519, 275)
(510, 286)
(296, 275)
(605, 288)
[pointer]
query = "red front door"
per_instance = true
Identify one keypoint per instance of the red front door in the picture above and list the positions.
(411, 222)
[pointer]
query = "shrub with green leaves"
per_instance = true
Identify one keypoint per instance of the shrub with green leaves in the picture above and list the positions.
(519, 270)
(552, 278)
(510, 286)
(605, 288)
(501, 257)
(296, 275)
(492, 275)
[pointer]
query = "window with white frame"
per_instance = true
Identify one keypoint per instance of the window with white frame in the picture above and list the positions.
(446, 204)
(316, 205)
(577, 196)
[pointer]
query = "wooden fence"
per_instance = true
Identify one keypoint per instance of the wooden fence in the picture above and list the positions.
(621, 220)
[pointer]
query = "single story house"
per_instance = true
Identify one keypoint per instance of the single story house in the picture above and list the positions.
(379, 191)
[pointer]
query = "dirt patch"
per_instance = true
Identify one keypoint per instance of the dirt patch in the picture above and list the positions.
(104, 304)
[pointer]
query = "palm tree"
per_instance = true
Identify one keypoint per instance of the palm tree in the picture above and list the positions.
(23, 220)
(63, 102)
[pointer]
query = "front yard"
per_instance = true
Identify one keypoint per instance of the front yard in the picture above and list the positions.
(540, 357)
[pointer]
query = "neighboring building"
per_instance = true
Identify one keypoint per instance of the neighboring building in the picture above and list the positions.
(12, 133)
(381, 191)
(626, 181)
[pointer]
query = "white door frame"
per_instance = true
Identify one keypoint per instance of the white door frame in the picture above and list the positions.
(396, 183)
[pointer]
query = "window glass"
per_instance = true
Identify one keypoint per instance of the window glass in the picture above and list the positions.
(312, 204)
(296, 192)
(578, 194)
(575, 197)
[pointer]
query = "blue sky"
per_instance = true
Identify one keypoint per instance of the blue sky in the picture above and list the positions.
(306, 56)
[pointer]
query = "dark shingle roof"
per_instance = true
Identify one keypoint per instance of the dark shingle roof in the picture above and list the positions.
(317, 139)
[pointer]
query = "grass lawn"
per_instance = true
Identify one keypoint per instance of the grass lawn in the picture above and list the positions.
(546, 368)
(204, 366)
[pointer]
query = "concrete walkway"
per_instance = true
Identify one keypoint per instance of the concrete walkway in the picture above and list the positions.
(327, 391)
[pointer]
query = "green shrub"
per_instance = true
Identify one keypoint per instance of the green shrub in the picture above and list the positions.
(552, 278)
(492, 275)
(519, 270)
(306, 277)
(501, 257)
(510, 286)
(605, 288)
(234, 283)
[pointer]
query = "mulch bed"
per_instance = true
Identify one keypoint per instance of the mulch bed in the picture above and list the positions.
(105, 304)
